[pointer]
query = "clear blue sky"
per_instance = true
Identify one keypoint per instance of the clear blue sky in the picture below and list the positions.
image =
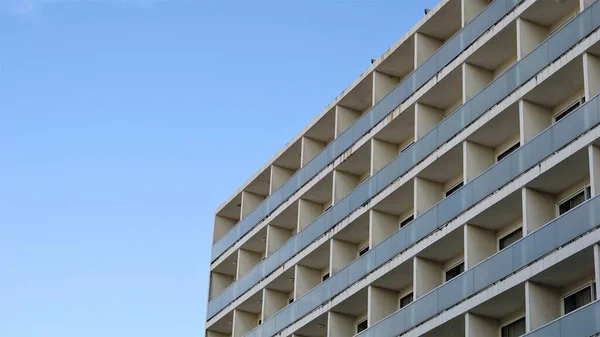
(125, 123)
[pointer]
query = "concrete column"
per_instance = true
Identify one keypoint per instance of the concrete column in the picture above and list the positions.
(427, 194)
(382, 225)
(279, 175)
(215, 334)
(305, 279)
(594, 155)
(381, 154)
(276, 236)
(340, 325)
(583, 4)
(218, 283)
(342, 253)
(243, 322)
(542, 305)
(533, 119)
(425, 46)
(480, 243)
(591, 75)
(471, 8)
(476, 159)
(343, 184)
(308, 211)
(381, 303)
(222, 226)
(249, 203)
(426, 117)
(427, 275)
(597, 269)
(382, 85)
(344, 117)
(480, 326)
(310, 148)
(474, 79)
(246, 260)
(529, 36)
(538, 209)
(272, 302)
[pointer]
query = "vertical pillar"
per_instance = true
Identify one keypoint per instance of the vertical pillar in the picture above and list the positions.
(308, 211)
(382, 85)
(342, 253)
(340, 325)
(310, 148)
(279, 175)
(249, 203)
(591, 75)
(243, 322)
(594, 155)
(344, 117)
(542, 305)
(305, 279)
(427, 275)
(246, 260)
(343, 184)
(425, 46)
(382, 226)
(381, 154)
(538, 209)
(529, 36)
(533, 119)
(426, 117)
(476, 159)
(480, 243)
(480, 326)
(427, 194)
(381, 303)
(474, 79)
(276, 236)
(583, 4)
(272, 302)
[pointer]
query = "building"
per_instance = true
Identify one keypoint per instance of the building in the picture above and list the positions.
(449, 191)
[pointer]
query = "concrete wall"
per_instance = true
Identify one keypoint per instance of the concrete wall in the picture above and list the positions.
(382, 302)
(480, 243)
(279, 175)
(427, 194)
(215, 334)
(480, 326)
(427, 275)
(425, 46)
(246, 260)
(340, 325)
(476, 159)
(343, 184)
(310, 148)
(529, 36)
(381, 154)
(305, 279)
(243, 322)
(342, 253)
(471, 8)
(533, 120)
(538, 209)
(272, 302)
(382, 85)
(474, 79)
(222, 226)
(382, 225)
(276, 236)
(542, 305)
(308, 211)
(344, 117)
(249, 203)
(426, 117)
(218, 283)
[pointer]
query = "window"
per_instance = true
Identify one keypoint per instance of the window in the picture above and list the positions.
(407, 221)
(291, 300)
(406, 300)
(454, 271)
(363, 251)
(514, 329)
(578, 299)
(454, 189)
(407, 146)
(508, 151)
(362, 325)
(325, 277)
(511, 238)
(259, 321)
(326, 209)
(568, 110)
(571, 203)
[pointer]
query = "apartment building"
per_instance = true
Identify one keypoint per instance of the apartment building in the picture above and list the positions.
(451, 190)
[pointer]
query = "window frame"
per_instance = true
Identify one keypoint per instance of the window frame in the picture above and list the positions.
(586, 189)
(362, 251)
(364, 320)
(579, 102)
(454, 188)
(400, 298)
(508, 151)
(404, 222)
(591, 284)
(520, 227)
(452, 267)
(325, 277)
(500, 327)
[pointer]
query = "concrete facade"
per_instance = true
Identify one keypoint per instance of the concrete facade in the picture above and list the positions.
(450, 191)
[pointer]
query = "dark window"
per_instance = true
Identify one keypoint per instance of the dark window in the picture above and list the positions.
(455, 271)
(406, 300)
(326, 209)
(406, 147)
(568, 205)
(325, 277)
(511, 238)
(363, 251)
(514, 329)
(361, 326)
(578, 299)
(588, 192)
(509, 151)
(454, 189)
(259, 321)
(291, 300)
(407, 221)
(567, 111)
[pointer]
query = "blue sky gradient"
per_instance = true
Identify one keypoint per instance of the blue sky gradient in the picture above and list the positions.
(125, 123)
